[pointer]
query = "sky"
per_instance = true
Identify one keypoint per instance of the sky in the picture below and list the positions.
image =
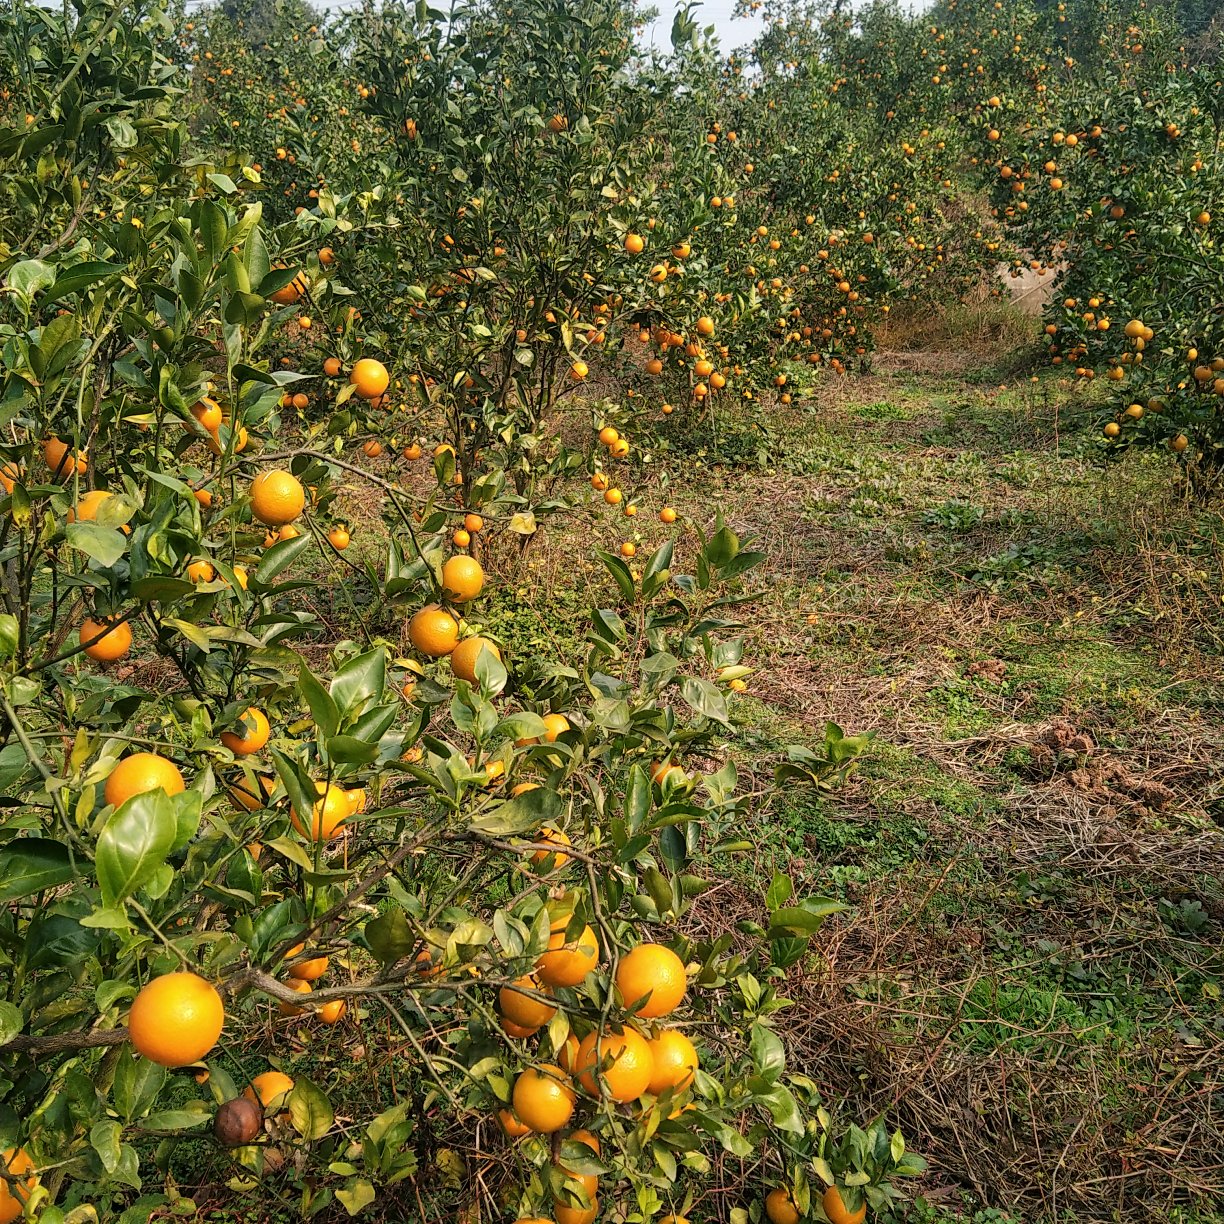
(712, 12)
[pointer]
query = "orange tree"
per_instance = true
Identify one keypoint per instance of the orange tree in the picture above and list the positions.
(495, 857)
(1116, 181)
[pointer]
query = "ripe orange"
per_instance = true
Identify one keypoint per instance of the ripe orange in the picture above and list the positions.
(207, 413)
(332, 367)
(555, 726)
(543, 1099)
(63, 463)
(579, 370)
(141, 772)
(635, 244)
(370, 377)
(113, 643)
(837, 1211)
(517, 1030)
(433, 631)
(462, 579)
(86, 510)
(512, 1126)
(254, 734)
(565, 1214)
(176, 1019)
(608, 435)
(654, 970)
(330, 812)
(473, 523)
(309, 970)
(461, 537)
(566, 963)
(780, 1207)
(626, 1061)
(675, 1061)
(333, 1012)
(613, 497)
(339, 537)
(201, 571)
(277, 498)
(290, 1009)
(554, 837)
(16, 1163)
(290, 293)
(667, 515)
(372, 449)
(522, 1009)
(463, 657)
(705, 326)
(269, 1089)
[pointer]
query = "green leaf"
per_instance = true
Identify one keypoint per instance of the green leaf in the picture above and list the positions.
(137, 1083)
(310, 1110)
(11, 1022)
(281, 556)
(322, 708)
(81, 276)
(705, 698)
(389, 937)
(356, 1195)
(620, 571)
(768, 1053)
(359, 681)
(177, 1119)
(803, 919)
(134, 844)
(29, 865)
(527, 811)
(105, 545)
(784, 1109)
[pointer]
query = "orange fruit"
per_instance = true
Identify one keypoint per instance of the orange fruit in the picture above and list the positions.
(247, 794)
(372, 449)
(461, 537)
(204, 497)
(370, 377)
(625, 1059)
(86, 510)
(277, 498)
(309, 970)
(654, 970)
(608, 435)
(207, 414)
(837, 1211)
(635, 244)
(254, 734)
(269, 1089)
(675, 1061)
(566, 1056)
(289, 1009)
(463, 657)
(10, 474)
(339, 538)
(139, 773)
(579, 370)
(290, 293)
(16, 1163)
(512, 1126)
(520, 1031)
(332, 367)
(113, 643)
(201, 571)
(555, 726)
(326, 256)
(567, 963)
(473, 523)
(433, 631)
(780, 1207)
(565, 1214)
(176, 1019)
(63, 463)
(462, 579)
(543, 1099)
(330, 812)
(333, 1012)
(554, 837)
(667, 515)
(521, 1009)
(705, 326)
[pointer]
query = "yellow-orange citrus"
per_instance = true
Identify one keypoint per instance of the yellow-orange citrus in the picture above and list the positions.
(277, 497)
(253, 735)
(522, 1009)
(113, 644)
(433, 631)
(543, 1099)
(675, 1061)
(462, 579)
(654, 970)
(567, 963)
(139, 773)
(463, 657)
(622, 1062)
(176, 1019)
(370, 377)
